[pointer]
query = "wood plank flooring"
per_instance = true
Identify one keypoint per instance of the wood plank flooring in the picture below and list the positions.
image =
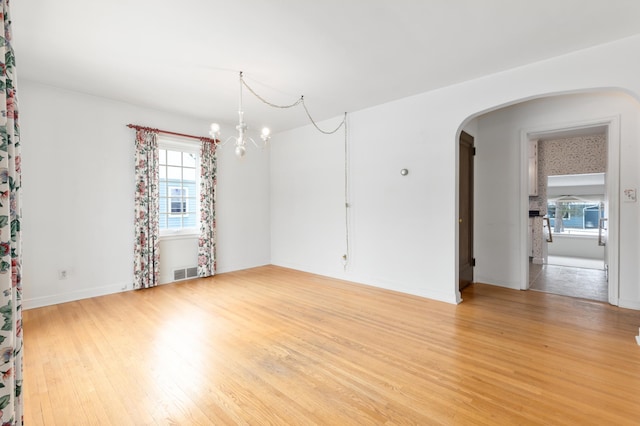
(276, 346)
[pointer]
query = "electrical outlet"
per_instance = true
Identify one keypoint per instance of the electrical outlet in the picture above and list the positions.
(62, 274)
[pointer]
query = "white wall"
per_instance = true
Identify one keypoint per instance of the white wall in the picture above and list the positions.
(308, 193)
(78, 196)
(581, 246)
(404, 229)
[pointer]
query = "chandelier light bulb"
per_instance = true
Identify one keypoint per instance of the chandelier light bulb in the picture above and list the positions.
(266, 131)
(215, 129)
(240, 151)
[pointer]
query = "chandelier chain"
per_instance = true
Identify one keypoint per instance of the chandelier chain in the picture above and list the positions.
(296, 103)
(244, 83)
(314, 123)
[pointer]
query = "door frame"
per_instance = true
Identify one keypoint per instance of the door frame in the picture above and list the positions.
(613, 190)
(467, 138)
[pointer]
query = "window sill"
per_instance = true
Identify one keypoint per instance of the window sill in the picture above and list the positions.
(576, 236)
(179, 236)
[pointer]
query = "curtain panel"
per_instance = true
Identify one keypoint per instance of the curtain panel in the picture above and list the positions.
(11, 353)
(207, 240)
(146, 223)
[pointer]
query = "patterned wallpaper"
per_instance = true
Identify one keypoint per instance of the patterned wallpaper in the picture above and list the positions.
(569, 156)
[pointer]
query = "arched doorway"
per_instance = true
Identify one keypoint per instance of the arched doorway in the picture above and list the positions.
(501, 192)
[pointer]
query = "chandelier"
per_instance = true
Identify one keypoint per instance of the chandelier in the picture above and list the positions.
(242, 138)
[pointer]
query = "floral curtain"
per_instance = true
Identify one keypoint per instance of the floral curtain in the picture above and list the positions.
(11, 407)
(207, 241)
(147, 233)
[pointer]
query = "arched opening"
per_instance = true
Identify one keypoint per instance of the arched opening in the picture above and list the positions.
(501, 177)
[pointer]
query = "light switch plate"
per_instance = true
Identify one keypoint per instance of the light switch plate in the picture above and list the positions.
(629, 195)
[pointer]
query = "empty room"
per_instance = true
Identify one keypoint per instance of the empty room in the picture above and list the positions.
(333, 213)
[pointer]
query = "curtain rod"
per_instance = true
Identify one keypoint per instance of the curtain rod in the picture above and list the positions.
(166, 132)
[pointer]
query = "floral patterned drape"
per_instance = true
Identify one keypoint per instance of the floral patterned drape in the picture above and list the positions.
(207, 241)
(147, 232)
(11, 404)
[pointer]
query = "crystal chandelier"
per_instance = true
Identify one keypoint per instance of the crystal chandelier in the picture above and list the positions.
(242, 138)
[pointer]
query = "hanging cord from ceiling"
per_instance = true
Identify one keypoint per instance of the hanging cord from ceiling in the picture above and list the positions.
(343, 124)
(347, 255)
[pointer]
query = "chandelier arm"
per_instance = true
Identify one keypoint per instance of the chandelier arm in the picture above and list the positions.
(221, 144)
(258, 146)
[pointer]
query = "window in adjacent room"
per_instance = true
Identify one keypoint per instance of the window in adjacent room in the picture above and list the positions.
(579, 217)
(179, 187)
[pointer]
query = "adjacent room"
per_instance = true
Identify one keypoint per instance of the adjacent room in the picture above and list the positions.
(332, 213)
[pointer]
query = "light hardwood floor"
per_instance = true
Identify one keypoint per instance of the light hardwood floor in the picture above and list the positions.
(276, 346)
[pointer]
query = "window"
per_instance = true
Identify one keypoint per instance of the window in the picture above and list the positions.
(179, 187)
(577, 217)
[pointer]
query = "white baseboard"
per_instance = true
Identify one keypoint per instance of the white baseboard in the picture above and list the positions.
(238, 267)
(55, 299)
(386, 284)
(629, 304)
(497, 283)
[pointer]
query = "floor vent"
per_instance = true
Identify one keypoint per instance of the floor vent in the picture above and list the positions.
(185, 273)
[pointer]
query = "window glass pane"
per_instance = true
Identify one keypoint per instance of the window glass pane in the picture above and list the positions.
(163, 205)
(574, 217)
(176, 192)
(176, 206)
(189, 159)
(190, 188)
(174, 222)
(174, 173)
(174, 158)
(190, 220)
(189, 174)
(191, 204)
(163, 172)
(162, 156)
(163, 221)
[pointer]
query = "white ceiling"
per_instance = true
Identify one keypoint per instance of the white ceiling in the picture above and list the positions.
(342, 55)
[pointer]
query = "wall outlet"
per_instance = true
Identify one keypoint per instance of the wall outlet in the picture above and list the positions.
(63, 274)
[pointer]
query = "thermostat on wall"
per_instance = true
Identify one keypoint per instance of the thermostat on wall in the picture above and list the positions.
(629, 196)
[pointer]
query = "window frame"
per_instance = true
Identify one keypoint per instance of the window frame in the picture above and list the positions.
(175, 144)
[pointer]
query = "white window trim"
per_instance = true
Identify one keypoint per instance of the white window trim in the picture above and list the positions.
(179, 144)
